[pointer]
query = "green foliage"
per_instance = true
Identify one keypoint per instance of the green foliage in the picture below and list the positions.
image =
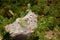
(48, 12)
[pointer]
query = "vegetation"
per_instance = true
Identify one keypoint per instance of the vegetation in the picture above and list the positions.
(48, 12)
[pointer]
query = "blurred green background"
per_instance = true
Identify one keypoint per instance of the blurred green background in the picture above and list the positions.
(48, 12)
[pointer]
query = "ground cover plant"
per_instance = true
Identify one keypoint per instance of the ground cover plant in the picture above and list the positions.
(48, 12)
